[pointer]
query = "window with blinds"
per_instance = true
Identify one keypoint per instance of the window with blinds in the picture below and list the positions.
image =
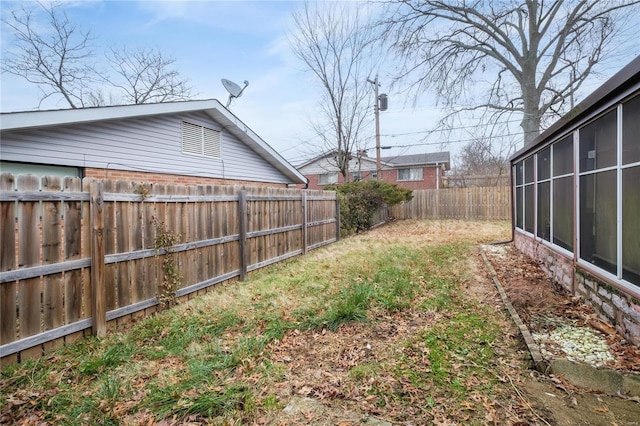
(200, 140)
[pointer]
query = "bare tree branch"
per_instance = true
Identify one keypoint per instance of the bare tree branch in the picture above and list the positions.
(55, 60)
(57, 57)
(335, 46)
(529, 46)
(145, 76)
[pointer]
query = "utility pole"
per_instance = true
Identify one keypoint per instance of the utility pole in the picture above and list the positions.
(381, 105)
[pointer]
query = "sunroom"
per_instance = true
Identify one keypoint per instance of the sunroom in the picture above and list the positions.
(577, 200)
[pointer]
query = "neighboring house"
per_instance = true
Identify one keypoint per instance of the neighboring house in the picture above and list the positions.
(577, 200)
(190, 143)
(419, 171)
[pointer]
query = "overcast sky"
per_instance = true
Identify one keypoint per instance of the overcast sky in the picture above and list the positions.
(238, 40)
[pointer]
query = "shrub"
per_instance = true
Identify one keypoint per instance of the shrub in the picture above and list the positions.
(359, 201)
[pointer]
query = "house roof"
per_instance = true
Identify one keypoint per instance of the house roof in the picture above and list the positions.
(420, 159)
(212, 107)
(626, 78)
(397, 161)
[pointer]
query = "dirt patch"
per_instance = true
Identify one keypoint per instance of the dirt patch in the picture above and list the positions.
(561, 323)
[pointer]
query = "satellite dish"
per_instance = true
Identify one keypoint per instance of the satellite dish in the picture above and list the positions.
(234, 90)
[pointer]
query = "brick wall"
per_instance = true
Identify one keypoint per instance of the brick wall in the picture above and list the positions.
(167, 179)
(428, 181)
(611, 303)
(391, 176)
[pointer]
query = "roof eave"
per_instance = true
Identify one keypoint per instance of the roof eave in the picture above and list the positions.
(240, 130)
(33, 119)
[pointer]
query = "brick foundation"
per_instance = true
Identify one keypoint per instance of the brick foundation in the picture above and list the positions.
(612, 304)
(167, 179)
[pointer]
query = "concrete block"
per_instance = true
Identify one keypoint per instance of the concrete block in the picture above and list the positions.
(587, 376)
(631, 385)
(605, 380)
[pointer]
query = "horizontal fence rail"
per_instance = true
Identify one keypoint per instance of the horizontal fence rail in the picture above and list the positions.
(474, 203)
(81, 256)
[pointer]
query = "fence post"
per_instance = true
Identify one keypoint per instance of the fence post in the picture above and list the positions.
(337, 218)
(242, 211)
(304, 222)
(98, 288)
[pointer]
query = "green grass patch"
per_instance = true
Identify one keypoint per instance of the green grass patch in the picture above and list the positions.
(365, 371)
(351, 304)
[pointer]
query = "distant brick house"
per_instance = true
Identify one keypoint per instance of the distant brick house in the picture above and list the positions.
(417, 171)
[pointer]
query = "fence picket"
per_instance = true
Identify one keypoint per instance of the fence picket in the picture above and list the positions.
(136, 270)
(73, 302)
(29, 249)
(123, 245)
(154, 215)
(53, 308)
(8, 290)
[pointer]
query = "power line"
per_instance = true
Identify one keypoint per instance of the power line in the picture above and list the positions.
(449, 129)
(442, 143)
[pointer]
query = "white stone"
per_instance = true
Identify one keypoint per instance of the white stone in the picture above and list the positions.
(632, 328)
(604, 293)
(619, 302)
(583, 290)
(608, 309)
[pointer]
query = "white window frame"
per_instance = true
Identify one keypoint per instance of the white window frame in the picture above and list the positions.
(201, 141)
(617, 278)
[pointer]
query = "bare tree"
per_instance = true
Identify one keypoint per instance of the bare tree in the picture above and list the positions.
(58, 58)
(480, 163)
(145, 76)
(335, 45)
(55, 59)
(502, 57)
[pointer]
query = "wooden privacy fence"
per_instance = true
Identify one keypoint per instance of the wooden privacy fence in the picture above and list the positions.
(78, 255)
(475, 203)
